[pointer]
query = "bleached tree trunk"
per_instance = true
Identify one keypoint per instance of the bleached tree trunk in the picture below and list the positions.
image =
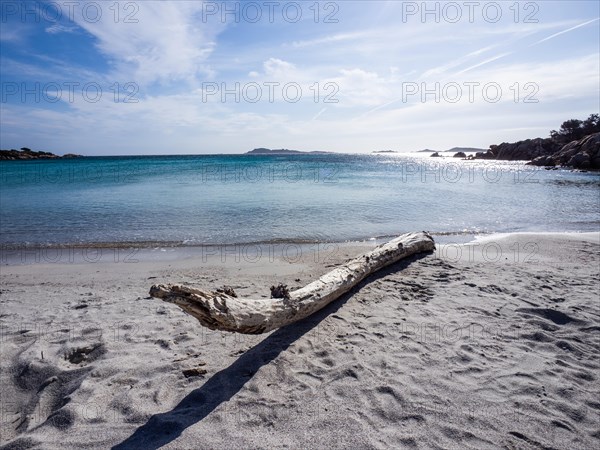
(219, 311)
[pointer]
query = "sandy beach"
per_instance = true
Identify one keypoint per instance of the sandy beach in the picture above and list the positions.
(491, 344)
(401, 200)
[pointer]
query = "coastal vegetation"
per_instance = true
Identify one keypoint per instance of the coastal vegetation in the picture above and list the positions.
(26, 153)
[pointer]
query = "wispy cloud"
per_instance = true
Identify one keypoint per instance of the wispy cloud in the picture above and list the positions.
(331, 39)
(565, 31)
(456, 62)
(316, 116)
(57, 28)
(168, 42)
(550, 85)
(484, 62)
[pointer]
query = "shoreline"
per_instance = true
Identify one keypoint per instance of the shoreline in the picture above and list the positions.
(98, 252)
(152, 244)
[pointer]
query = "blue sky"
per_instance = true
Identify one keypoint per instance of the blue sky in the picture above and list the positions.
(122, 77)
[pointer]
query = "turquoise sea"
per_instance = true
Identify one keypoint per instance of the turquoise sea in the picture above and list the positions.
(226, 199)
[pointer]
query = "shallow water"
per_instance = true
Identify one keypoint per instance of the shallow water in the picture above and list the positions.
(222, 199)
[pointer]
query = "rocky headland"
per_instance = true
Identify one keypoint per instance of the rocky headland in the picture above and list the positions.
(576, 145)
(581, 154)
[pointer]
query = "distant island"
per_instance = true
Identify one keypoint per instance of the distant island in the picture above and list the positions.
(427, 150)
(454, 150)
(280, 151)
(28, 154)
(466, 149)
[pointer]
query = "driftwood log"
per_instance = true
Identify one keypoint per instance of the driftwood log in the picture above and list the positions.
(220, 311)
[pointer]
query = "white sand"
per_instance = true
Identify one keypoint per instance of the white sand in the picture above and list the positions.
(494, 344)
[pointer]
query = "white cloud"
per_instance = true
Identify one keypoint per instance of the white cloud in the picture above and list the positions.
(358, 87)
(168, 42)
(277, 69)
(57, 28)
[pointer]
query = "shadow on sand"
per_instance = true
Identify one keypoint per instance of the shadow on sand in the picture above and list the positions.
(161, 429)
